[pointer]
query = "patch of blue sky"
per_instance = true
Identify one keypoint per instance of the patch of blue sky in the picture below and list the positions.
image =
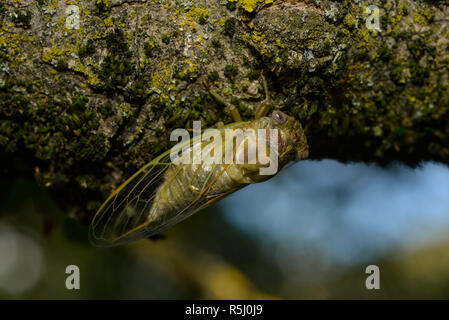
(348, 213)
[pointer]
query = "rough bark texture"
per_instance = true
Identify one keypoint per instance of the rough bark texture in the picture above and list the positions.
(81, 109)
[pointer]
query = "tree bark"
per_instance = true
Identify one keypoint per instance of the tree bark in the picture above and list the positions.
(84, 103)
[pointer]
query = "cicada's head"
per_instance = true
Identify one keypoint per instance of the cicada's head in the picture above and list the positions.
(292, 140)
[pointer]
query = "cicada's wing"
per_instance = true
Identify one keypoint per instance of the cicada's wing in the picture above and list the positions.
(123, 216)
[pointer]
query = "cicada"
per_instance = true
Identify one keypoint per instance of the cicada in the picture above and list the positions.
(168, 189)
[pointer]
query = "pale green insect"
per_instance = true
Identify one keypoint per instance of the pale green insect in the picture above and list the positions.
(163, 192)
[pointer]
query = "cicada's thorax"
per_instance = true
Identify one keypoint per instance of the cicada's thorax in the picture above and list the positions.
(188, 183)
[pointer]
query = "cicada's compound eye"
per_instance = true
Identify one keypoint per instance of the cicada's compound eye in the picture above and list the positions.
(279, 116)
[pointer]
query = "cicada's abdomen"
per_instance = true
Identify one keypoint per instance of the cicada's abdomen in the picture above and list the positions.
(190, 187)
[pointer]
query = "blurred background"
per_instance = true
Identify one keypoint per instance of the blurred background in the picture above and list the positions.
(308, 233)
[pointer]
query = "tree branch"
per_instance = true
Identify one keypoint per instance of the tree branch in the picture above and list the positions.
(84, 103)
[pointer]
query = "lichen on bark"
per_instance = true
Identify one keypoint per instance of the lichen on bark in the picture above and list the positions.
(83, 107)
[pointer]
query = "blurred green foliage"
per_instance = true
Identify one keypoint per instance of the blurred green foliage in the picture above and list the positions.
(203, 257)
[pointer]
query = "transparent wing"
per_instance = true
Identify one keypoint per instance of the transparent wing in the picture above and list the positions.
(123, 217)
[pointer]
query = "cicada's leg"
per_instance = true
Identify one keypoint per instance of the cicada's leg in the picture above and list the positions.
(265, 106)
(235, 114)
(215, 95)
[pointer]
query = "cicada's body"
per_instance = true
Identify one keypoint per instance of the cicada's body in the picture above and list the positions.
(167, 190)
